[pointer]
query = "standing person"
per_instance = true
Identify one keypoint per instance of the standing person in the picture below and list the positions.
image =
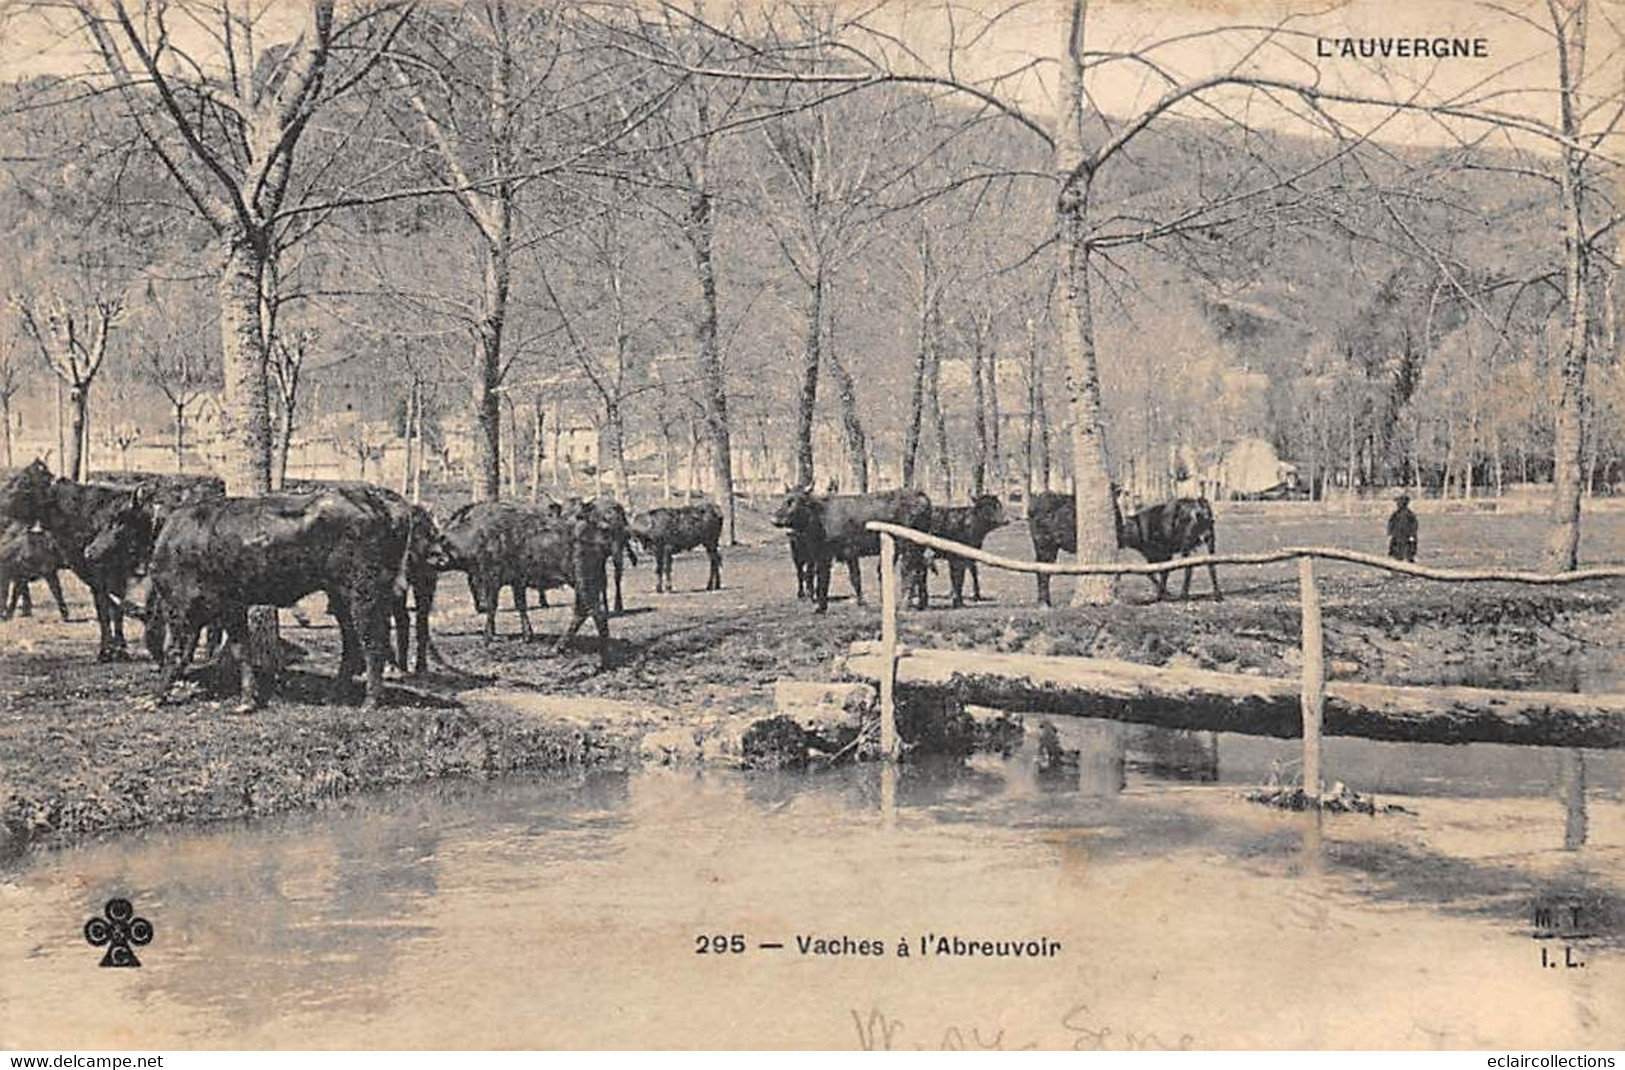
(1402, 530)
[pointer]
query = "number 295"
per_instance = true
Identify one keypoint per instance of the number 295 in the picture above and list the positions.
(719, 944)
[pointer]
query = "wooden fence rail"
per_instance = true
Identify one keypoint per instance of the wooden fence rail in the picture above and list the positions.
(1131, 692)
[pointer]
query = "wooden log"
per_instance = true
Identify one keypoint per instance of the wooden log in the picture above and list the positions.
(1253, 705)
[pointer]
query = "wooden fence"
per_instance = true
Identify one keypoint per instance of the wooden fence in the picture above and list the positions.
(1186, 698)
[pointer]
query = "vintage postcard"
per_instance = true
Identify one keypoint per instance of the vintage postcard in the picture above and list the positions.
(805, 524)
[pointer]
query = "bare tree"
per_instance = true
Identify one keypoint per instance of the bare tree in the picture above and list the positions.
(1085, 143)
(73, 343)
(181, 376)
(286, 363)
(11, 381)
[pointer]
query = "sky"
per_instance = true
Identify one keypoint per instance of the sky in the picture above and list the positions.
(1516, 77)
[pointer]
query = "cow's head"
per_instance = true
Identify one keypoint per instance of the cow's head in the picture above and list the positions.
(989, 510)
(429, 544)
(125, 533)
(24, 492)
(796, 510)
(598, 526)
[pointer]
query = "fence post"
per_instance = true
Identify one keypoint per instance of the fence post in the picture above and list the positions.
(888, 647)
(1314, 677)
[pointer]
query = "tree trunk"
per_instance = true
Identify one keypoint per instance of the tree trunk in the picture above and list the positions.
(558, 440)
(807, 409)
(180, 438)
(496, 273)
(939, 423)
(5, 432)
(615, 438)
(536, 452)
(245, 415)
(1045, 453)
(1568, 447)
(668, 463)
(995, 452)
(701, 231)
(1096, 528)
(78, 415)
(978, 471)
(857, 440)
(916, 405)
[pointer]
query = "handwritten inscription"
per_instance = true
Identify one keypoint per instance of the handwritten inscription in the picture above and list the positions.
(1078, 1029)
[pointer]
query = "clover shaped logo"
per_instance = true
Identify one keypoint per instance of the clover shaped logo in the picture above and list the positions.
(120, 931)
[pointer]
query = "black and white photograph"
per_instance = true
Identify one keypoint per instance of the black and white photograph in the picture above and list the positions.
(1088, 525)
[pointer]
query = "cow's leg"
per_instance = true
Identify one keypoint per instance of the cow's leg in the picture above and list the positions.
(1212, 571)
(1185, 591)
(490, 590)
(104, 648)
(400, 620)
(620, 606)
(822, 565)
(372, 615)
(855, 575)
(714, 582)
(11, 589)
(236, 623)
(519, 597)
(178, 633)
(956, 580)
(975, 581)
(600, 620)
(54, 582)
(350, 656)
(155, 630)
(115, 611)
(422, 606)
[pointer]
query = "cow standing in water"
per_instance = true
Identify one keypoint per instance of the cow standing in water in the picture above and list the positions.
(1160, 533)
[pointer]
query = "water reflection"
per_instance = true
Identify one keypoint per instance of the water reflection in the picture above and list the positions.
(430, 915)
(1571, 788)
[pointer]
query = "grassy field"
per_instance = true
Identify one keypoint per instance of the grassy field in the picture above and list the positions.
(83, 749)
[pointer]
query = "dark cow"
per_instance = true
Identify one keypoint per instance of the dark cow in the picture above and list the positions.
(970, 525)
(75, 514)
(426, 558)
(168, 490)
(1168, 530)
(503, 544)
(833, 529)
(669, 530)
(1160, 533)
(215, 559)
(28, 554)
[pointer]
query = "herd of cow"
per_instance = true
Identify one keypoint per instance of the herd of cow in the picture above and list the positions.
(208, 558)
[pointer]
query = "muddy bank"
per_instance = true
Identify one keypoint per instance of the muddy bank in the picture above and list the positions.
(68, 774)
